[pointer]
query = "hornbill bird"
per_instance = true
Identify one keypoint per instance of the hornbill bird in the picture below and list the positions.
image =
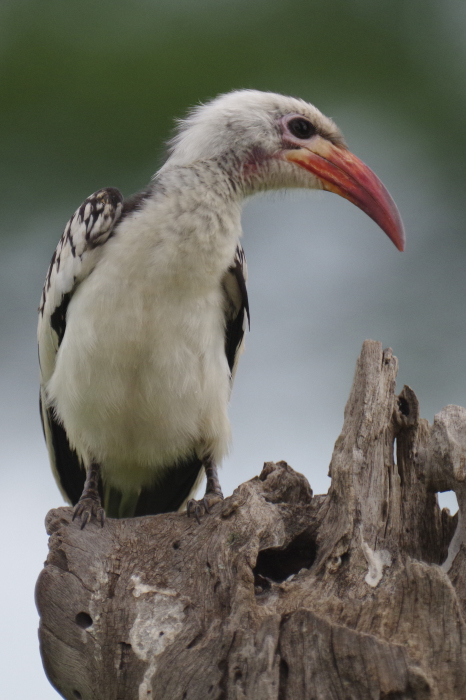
(144, 307)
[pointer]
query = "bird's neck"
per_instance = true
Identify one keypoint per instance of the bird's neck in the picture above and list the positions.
(230, 177)
(192, 221)
(221, 176)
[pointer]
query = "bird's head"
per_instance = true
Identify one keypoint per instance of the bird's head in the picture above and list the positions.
(272, 141)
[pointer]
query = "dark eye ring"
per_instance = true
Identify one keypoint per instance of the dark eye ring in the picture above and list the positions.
(301, 128)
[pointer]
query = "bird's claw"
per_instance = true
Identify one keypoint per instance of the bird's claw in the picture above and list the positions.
(194, 507)
(88, 508)
(203, 506)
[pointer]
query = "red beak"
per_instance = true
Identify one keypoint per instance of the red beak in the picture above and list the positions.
(341, 172)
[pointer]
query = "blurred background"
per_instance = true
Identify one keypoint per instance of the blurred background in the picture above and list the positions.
(89, 92)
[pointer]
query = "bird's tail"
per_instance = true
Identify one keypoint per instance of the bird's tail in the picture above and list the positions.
(170, 493)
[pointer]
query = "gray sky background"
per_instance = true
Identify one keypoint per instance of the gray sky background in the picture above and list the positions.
(87, 108)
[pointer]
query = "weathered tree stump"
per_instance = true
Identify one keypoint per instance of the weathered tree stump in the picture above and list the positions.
(357, 594)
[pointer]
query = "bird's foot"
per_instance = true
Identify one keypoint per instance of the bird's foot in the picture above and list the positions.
(203, 506)
(89, 507)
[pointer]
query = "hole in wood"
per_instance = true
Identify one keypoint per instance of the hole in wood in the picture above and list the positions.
(194, 641)
(279, 564)
(77, 695)
(125, 656)
(261, 584)
(83, 620)
(176, 545)
(447, 499)
(403, 405)
(238, 674)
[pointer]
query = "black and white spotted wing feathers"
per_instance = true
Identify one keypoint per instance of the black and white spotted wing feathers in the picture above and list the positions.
(76, 255)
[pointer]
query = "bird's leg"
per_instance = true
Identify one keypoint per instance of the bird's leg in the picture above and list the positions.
(89, 505)
(213, 492)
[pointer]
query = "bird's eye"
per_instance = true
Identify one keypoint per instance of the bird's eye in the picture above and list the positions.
(301, 128)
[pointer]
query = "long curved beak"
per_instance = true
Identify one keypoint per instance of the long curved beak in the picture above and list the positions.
(341, 172)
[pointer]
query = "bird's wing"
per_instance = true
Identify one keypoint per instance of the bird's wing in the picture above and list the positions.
(76, 255)
(236, 308)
